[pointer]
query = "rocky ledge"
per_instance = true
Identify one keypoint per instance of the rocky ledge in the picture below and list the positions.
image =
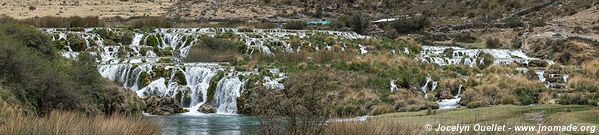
(206, 108)
(163, 106)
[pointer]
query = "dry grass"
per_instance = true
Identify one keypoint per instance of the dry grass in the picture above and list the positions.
(413, 123)
(58, 123)
(502, 89)
(374, 127)
(63, 22)
(151, 22)
(590, 69)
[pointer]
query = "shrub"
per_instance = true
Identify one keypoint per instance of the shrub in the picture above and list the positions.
(583, 84)
(411, 25)
(42, 81)
(575, 99)
(62, 22)
(151, 22)
(493, 43)
(502, 89)
(359, 23)
(215, 50)
(300, 108)
(295, 25)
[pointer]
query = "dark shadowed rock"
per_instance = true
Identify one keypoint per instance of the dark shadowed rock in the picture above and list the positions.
(162, 106)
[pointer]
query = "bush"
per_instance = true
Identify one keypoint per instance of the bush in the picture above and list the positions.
(359, 23)
(410, 25)
(502, 89)
(300, 108)
(63, 22)
(215, 50)
(151, 22)
(493, 43)
(295, 25)
(42, 81)
(583, 84)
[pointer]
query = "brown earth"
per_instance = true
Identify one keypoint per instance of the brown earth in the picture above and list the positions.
(66, 8)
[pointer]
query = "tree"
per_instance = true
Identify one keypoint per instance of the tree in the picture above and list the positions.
(301, 108)
(359, 23)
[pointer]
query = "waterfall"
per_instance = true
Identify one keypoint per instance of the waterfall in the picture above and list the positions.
(471, 56)
(541, 75)
(153, 71)
(198, 81)
(451, 103)
(425, 88)
(137, 39)
(228, 89)
(393, 86)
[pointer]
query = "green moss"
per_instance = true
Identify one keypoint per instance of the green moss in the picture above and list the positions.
(487, 60)
(153, 41)
(76, 43)
(213, 84)
(144, 80)
(180, 78)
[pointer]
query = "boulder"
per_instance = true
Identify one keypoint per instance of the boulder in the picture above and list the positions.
(162, 106)
(537, 63)
(445, 94)
(206, 108)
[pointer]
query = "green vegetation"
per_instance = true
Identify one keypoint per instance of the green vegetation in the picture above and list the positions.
(63, 22)
(295, 25)
(215, 50)
(39, 81)
(151, 22)
(410, 25)
(359, 23)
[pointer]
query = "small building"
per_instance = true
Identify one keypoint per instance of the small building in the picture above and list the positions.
(320, 22)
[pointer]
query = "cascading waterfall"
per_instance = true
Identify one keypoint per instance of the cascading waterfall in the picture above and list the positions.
(433, 85)
(451, 103)
(437, 55)
(198, 81)
(145, 68)
(228, 89)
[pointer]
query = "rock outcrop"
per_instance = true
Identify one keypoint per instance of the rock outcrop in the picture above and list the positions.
(206, 108)
(162, 106)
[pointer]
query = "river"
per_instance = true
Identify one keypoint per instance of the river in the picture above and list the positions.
(208, 124)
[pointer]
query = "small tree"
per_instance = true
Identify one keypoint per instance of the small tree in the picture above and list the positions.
(359, 23)
(301, 108)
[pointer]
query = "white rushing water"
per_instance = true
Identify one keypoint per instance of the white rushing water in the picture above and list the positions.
(144, 67)
(446, 55)
(451, 103)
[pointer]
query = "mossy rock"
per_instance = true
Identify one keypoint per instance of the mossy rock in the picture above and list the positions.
(144, 80)
(76, 43)
(213, 84)
(180, 78)
(488, 60)
(153, 40)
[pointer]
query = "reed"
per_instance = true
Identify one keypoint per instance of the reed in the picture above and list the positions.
(60, 122)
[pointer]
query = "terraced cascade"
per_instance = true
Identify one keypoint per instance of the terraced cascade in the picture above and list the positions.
(447, 55)
(151, 62)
